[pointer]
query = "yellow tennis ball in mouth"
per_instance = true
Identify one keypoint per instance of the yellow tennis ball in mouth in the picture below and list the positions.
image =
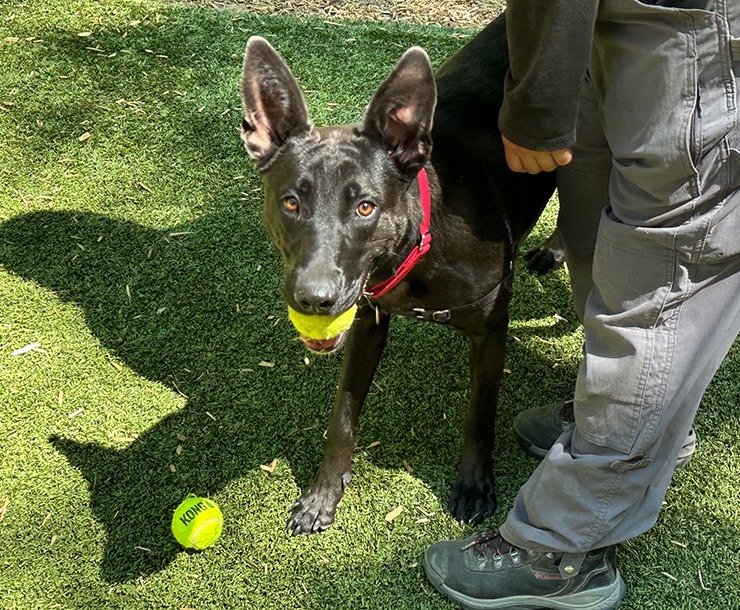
(197, 523)
(322, 327)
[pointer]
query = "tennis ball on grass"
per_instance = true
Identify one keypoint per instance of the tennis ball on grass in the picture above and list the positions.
(197, 523)
(322, 327)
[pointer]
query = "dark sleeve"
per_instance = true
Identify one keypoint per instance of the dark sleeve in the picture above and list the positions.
(549, 50)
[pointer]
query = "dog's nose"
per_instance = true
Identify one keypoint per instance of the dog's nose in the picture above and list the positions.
(316, 299)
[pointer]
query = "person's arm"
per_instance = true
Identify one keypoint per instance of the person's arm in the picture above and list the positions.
(549, 50)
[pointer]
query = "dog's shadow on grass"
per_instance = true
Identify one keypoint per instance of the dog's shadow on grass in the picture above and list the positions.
(198, 307)
(188, 308)
(192, 308)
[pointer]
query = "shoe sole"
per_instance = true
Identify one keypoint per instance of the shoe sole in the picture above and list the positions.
(603, 598)
(529, 448)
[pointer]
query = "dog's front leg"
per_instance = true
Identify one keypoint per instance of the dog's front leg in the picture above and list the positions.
(473, 497)
(314, 510)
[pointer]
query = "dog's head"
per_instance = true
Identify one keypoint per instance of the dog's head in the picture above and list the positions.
(338, 202)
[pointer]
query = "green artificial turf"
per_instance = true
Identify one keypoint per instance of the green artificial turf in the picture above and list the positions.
(160, 361)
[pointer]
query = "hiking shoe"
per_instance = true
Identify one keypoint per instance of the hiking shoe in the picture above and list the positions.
(488, 572)
(538, 429)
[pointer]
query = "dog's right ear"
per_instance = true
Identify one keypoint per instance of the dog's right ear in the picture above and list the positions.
(401, 112)
(274, 108)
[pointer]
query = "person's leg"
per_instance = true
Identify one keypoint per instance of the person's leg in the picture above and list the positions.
(661, 315)
(583, 192)
(663, 310)
(607, 478)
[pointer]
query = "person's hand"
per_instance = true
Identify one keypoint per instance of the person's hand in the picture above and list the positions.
(523, 160)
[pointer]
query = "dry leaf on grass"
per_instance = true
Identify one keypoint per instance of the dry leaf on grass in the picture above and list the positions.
(701, 582)
(393, 515)
(270, 468)
(670, 576)
(24, 350)
(424, 512)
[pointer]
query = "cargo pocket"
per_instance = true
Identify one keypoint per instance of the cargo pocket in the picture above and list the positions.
(630, 335)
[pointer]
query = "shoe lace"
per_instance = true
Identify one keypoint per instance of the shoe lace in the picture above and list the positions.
(492, 544)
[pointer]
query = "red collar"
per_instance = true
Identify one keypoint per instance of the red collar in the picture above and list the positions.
(417, 253)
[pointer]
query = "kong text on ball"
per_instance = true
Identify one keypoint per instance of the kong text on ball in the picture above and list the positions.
(197, 523)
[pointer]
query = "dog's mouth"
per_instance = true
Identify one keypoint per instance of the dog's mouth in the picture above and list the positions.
(323, 334)
(324, 346)
(326, 334)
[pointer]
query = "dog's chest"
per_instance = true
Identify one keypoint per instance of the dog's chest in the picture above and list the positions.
(460, 288)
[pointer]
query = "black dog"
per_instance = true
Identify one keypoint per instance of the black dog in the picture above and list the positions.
(344, 205)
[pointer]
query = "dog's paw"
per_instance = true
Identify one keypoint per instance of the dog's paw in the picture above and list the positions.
(548, 256)
(473, 501)
(314, 511)
(541, 261)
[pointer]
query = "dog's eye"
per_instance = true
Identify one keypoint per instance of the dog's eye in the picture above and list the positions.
(290, 204)
(366, 209)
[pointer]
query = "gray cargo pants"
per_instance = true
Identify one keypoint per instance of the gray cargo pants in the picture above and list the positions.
(650, 212)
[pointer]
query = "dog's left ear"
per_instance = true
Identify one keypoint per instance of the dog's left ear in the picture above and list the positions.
(274, 109)
(402, 110)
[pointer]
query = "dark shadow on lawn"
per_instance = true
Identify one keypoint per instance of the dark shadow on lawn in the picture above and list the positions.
(189, 311)
(188, 307)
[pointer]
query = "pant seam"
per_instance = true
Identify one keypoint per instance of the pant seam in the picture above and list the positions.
(598, 523)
